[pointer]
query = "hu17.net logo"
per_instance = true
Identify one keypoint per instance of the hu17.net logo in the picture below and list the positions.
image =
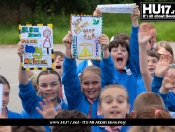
(157, 11)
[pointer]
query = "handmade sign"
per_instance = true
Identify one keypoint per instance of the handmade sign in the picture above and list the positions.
(117, 8)
(86, 31)
(1, 97)
(38, 46)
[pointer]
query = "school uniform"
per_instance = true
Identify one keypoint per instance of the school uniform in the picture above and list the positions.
(130, 76)
(75, 97)
(30, 100)
(12, 114)
(168, 98)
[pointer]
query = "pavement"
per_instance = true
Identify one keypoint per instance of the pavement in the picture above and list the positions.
(9, 64)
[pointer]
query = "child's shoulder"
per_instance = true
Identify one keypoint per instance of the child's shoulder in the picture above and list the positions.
(12, 114)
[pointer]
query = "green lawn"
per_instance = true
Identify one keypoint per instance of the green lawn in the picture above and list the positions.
(113, 24)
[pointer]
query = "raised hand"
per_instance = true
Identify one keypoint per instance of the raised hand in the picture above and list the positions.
(135, 16)
(48, 110)
(168, 83)
(20, 50)
(163, 65)
(97, 12)
(144, 38)
(104, 40)
(67, 40)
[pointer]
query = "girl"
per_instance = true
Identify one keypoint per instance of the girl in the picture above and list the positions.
(48, 85)
(82, 94)
(113, 104)
(6, 92)
(164, 47)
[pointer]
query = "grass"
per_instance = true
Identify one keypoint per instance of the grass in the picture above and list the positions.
(113, 24)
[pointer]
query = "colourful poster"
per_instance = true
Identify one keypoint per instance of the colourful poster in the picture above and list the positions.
(117, 8)
(38, 46)
(86, 31)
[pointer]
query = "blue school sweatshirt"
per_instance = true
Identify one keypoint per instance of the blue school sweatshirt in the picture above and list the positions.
(76, 99)
(24, 114)
(131, 76)
(30, 100)
(102, 129)
(168, 98)
(12, 114)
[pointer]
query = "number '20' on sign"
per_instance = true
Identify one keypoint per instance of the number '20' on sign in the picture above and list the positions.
(95, 22)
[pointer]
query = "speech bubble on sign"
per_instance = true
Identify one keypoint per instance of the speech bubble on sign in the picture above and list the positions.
(117, 8)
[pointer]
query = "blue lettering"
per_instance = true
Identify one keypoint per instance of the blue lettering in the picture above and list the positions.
(29, 49)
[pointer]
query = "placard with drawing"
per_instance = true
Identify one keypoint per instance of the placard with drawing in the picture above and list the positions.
(86, 31)
(38, 46)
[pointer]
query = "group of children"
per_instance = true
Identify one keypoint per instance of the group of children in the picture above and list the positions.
(135, 79)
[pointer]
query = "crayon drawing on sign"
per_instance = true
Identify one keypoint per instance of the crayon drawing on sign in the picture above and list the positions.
(38, 46)
(85, 33)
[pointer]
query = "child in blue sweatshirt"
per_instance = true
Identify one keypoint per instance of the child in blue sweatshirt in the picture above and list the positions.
(126, 60)
(82, 94)
(113, 104)
(5, 100)
(48, 84)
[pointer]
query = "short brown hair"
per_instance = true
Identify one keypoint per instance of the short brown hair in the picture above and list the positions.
(28, 129)
(116, 43)
(146, 99)
(3, 80)
(56, 53)
(154, 111)
(153, 54)
(122, 36)
(71, 114)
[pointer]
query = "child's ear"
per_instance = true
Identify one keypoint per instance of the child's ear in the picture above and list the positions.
(133, 113)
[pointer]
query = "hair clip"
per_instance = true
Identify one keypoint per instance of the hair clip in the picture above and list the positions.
(156, 111)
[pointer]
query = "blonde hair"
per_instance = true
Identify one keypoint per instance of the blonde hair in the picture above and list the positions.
(167, 46)
(93, 69)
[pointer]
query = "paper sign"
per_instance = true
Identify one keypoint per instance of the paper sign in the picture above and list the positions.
(86, 31)
(1, 97)
(38, 46)
(117, 8)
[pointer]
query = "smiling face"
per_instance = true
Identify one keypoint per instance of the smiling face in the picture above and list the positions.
(114, 103)
(152, 63)
(91, 84)
(49, 86)
(120, 56)
(6, 92)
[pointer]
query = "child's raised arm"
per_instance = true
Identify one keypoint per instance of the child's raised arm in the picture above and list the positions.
(161, 68)
(22, 74)
(144, 39)
(134, 17)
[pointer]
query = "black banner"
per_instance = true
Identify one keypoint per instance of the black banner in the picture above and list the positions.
(157, 11)
(91, 122)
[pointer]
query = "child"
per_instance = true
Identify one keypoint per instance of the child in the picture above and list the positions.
(82, 94)
(146, 71)
(74, 114)
(147, 99)
(113, 104)
(48, 84)
(164, 47)
(126, 61)
(5, 98)
(153, 111)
